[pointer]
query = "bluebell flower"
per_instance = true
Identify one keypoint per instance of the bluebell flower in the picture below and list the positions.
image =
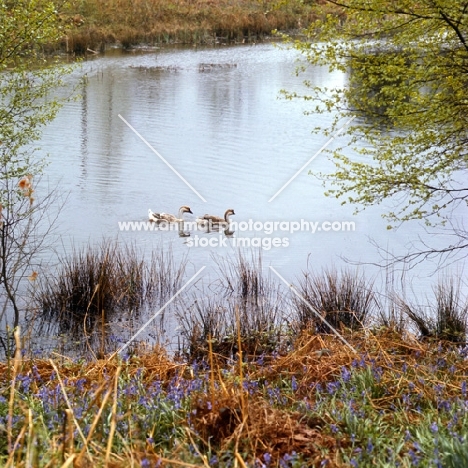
(294, 384)
(345, 374)
(332, 387)
(414, 457)
(444, 405)
(441, 362)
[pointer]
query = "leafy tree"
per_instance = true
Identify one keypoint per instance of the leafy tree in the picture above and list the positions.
(406, 66)
(27, 83)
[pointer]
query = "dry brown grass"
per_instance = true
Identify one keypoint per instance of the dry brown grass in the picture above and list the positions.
(92, 24)
(262, 429)
(225, 416)
(155, 361)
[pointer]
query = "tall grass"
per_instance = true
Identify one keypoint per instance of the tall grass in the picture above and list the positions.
(245, 302)
(92, 23)
(344, 299)
(95, 284)
(447, 319)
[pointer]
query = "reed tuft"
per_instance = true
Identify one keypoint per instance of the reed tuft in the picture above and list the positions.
(344, 299)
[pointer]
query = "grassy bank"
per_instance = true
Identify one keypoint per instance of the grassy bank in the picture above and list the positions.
(260, 380)
(93, 24)
(390, 402)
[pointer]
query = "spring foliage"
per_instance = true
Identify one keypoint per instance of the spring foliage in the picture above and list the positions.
(26, 27)
(406, 79)
(28, 84)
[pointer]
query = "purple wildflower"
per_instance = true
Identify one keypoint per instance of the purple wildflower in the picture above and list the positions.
(332, 387)
(345, 374)
(294, 384)
(414, 457)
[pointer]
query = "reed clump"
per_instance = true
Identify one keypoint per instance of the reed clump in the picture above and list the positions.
(245, 304)
(343, 299)
(96, 283)
(446, 319)
(92, 23)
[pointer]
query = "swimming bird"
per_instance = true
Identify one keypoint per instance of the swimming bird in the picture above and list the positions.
(153, 217)
(167, 217)
(216, 221)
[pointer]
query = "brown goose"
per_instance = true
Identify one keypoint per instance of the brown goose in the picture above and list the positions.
(212, 220)
(167, 217)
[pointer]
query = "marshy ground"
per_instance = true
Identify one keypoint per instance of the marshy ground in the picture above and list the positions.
(250, 386)
(91, 25)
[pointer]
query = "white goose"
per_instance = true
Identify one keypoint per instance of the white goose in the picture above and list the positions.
(216, 221)
(167, 217)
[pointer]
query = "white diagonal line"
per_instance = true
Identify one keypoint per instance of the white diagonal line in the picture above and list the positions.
(293, 289)
(311, 159)
(168, 164)
(157, 313)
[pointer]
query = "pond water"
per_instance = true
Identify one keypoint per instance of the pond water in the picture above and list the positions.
(217, 117)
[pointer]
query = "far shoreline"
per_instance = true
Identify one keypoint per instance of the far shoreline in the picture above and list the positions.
(92, 27)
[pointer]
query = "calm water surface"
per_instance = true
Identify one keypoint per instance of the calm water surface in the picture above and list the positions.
(216, 115)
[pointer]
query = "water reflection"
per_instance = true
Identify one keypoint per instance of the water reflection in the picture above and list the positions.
(226, 130)
(84, 131)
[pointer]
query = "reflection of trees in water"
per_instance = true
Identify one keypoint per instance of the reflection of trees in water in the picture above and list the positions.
(100, 138)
